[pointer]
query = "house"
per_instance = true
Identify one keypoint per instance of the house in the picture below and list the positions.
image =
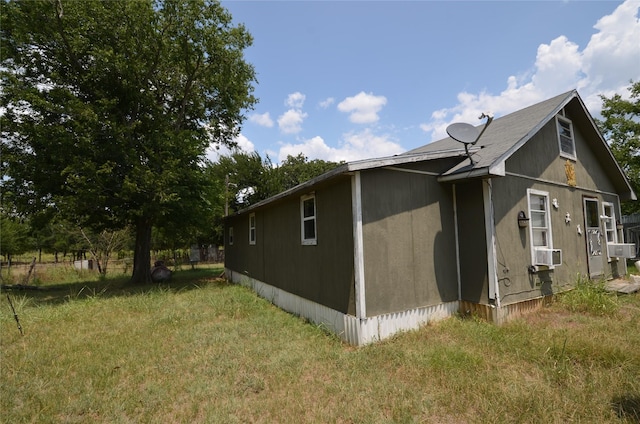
(379, 246)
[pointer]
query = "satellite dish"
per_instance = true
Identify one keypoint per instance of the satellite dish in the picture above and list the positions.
(463, 132)
(467, 134)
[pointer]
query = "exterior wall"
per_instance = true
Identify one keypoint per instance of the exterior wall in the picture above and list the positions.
(513, 250)
(547, 173)
(322, 273)
(408, 239)
(350, 329)
(472, 242)
(540, 158)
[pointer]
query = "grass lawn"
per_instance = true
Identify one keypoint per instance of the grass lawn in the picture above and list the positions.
(200, 350)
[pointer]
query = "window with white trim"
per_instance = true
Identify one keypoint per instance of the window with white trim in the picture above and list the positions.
(565, 138)
(230, 236)
(539, 219)
(609, 222)
(252, 228)
(540, 239)
(308, 219)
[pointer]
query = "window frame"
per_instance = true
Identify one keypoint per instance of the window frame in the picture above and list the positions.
(252, 229)
(611, 220)
(308, 241)
(547, 218)
(561, 119)
(230, 236)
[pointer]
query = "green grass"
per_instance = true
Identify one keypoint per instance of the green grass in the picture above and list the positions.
(199, 350)
(590, 297)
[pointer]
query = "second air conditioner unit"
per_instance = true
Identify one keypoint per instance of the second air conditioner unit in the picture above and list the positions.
(621, 250)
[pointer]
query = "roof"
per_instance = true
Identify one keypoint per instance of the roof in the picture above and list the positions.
(346, 168)
(507, 134)
(501, 139)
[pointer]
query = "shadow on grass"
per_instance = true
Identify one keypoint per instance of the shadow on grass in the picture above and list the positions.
(182, 280)
(627, 407)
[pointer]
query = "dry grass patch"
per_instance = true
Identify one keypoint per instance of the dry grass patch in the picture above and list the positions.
(201, 350)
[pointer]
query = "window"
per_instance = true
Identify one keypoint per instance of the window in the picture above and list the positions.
(539, 218)
(230, 236)
(252, 228)
(541, 242)
(308, 219)
(565, 138)
(609, 221)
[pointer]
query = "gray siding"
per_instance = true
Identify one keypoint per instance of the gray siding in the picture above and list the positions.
(472, 242)
(540, 158)
(322, 273)
(409, 240)
(538, 165)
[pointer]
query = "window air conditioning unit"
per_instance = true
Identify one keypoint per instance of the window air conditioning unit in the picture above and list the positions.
(548, 257)
(621, 250)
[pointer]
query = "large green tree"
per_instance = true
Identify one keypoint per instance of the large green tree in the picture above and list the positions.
(110, 105)
(248, 178)
(621, 128)
(295, 170)
(14, 237)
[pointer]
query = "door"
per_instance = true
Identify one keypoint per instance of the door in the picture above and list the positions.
(593, 237)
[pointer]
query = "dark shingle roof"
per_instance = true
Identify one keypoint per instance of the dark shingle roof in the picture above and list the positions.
(503, 136)
(507, 134)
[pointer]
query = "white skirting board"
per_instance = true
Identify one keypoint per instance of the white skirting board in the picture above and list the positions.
(352, 330)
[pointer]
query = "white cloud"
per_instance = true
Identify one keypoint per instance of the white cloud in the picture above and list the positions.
(264, 119)
(363, 108)
(327, 102)
(214, 151)
(612, 56)
(605, 66)
(295, 100)
(356, 145)
(290, 122)
(558, 66)
(245, 144)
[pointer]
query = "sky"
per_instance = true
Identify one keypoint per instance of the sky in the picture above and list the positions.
(351, 80)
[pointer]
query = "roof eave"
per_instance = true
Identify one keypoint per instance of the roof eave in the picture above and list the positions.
(406, 158)
(357, 166)
(495, 170)
(631, 195)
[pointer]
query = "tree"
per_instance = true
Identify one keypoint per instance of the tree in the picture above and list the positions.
(101, 246)
(249, 179)
(621, 128)
(244, 176)
(110, 106)
(14, 237)
(295, 170)
(64, 238)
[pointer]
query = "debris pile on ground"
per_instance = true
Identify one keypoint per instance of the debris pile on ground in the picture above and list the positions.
(160, 272)
(620, 285)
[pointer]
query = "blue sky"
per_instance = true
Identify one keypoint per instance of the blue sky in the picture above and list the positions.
(349, 80)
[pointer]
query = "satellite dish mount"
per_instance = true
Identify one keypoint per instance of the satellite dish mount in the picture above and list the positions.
(467, 134)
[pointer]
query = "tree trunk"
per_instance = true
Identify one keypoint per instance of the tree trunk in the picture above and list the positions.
(142, 253)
